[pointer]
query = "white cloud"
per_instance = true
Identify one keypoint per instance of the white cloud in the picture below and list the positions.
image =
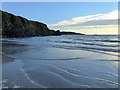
(111, 15)
(91, 20)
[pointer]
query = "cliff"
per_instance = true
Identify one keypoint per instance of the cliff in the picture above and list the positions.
(17, 26)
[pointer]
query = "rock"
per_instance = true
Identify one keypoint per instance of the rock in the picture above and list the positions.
(55, 32)
(17, 26)
(71, 33)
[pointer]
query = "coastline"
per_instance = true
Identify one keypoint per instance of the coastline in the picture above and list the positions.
(70, 68)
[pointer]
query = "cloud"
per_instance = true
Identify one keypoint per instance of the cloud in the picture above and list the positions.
(107, 19)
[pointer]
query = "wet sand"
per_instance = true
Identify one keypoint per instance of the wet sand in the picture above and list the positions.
(27, 66)
(12, 76)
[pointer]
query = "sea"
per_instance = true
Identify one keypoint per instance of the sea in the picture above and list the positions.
(66, 61)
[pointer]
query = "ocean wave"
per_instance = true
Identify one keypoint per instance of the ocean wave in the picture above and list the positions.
(76, 58)
(88, 43)
(113, 41)
(99, 40)
(86, 48)
(109, 60)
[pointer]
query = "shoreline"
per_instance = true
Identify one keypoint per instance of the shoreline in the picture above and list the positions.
(40, 62)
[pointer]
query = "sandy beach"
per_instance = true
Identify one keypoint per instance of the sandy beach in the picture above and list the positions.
(27, 66)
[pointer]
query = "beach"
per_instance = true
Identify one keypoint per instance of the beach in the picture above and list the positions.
(71, 61)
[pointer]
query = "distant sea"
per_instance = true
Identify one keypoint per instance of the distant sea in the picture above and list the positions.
(67, 61)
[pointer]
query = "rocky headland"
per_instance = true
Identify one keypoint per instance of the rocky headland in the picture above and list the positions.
(71, 33)
(17, 26)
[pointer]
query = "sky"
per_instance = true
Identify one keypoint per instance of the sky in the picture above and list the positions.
(81, 17)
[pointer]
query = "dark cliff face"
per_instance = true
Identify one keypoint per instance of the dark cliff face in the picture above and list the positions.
(16, 26)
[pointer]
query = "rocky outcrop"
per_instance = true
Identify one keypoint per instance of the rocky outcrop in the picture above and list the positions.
(71, 33)
(17, 26)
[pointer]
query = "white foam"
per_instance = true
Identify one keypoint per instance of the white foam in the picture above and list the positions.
(108, 81)
(65, 71)
(2, 83)
(32, 81)
(16, 86)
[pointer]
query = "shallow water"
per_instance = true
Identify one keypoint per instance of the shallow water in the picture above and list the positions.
(71, 61)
